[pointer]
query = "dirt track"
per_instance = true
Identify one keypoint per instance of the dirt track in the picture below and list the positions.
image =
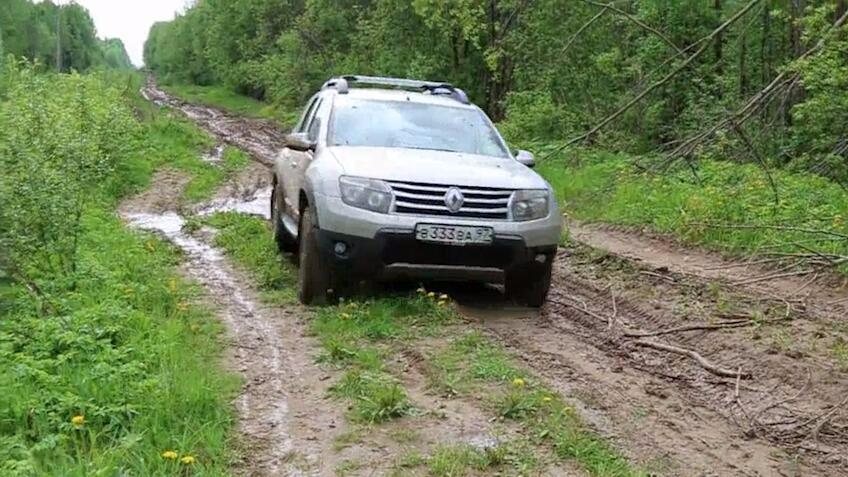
(617, 297)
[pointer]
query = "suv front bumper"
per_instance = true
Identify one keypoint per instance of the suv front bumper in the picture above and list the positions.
(398, 255)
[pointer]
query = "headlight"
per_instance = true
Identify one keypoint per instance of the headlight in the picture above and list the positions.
(369, 194)
(530, 205)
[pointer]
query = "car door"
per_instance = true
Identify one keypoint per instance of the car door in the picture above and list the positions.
(313, 129)
(289, 160)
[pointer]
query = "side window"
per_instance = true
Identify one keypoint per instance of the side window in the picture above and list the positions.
(314, 123)
(307, 114)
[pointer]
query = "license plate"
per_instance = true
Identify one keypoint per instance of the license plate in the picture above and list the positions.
(453, 234)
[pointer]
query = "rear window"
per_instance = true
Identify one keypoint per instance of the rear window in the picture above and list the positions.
(406, 124)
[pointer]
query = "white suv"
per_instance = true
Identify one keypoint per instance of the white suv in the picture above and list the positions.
(407, 180)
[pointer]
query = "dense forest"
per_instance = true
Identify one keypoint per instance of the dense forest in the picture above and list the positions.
(30, 29)
(752, 80)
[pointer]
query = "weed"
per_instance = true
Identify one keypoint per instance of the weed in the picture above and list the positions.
(839, 351)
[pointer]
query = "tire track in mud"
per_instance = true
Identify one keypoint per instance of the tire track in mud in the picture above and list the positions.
(662, 407)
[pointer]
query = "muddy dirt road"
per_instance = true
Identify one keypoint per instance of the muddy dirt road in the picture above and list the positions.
(691, 364)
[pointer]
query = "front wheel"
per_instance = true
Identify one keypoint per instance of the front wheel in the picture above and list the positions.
(313, 275)
(529, 285)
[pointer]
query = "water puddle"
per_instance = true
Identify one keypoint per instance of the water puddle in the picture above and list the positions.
(215, 155)
(257, 204)
(258, 350)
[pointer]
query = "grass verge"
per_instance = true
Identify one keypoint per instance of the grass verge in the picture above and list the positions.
(361, 338)
(122, 377)
(596, 186)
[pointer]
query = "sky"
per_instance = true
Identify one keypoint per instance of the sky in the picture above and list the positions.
(129, 20)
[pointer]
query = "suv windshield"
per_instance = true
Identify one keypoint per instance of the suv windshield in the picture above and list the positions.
(406, 124)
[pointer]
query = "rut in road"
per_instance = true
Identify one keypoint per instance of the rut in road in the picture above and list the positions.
(661, 408)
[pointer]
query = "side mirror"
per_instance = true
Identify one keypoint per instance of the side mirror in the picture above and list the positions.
(299, 142)
(526, 158)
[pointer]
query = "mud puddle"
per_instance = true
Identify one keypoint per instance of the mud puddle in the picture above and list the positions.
(215, 156)
(256, 204)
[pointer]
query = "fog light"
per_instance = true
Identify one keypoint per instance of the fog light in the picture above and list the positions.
(340, 248)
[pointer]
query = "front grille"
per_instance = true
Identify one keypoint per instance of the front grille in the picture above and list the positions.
(429, 199)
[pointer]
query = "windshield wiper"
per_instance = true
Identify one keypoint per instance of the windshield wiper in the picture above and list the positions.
(431, 149)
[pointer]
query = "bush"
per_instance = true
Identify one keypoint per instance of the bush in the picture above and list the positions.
(60, 140)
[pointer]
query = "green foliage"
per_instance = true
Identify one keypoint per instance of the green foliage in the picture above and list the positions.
(60, 141)
(114, 339)
(608, 188)
(33, 29)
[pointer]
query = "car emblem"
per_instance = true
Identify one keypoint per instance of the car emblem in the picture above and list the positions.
(454, 199)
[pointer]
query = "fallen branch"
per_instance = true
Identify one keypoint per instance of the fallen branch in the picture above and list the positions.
(738, 323)
(638, 22)
(583, 28)
(775, 276)
(703, 362)
(681, 329)
(781, 82)
(659, 83)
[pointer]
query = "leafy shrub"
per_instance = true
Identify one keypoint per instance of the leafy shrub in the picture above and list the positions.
(60, 140)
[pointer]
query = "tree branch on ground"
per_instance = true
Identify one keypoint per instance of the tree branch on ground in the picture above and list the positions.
(702, 362)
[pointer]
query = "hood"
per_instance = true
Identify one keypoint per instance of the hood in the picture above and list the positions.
(436, 167)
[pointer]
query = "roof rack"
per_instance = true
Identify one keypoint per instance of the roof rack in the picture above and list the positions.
(342, 85)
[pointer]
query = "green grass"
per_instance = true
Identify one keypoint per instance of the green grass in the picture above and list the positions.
(608, 188)
(223, 98)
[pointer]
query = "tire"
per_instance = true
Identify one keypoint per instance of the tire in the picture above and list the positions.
(314, 277)
(285, 242)
(529, 286)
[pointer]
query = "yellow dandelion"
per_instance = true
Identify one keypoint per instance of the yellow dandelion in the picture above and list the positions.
(441, 303)
(150, 246)
(172, 285)
(188, 460)
(431, 295)
(170, 455)
(78, 421)
(182, 306)
(354, 305)
(547, 399)
(518, 382)
(421, 291)
(345, 316)
(444, 297)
